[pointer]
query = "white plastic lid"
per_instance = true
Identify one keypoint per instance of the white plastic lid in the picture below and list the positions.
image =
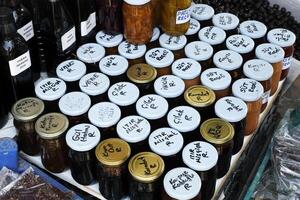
(240, 43)
(198, 50)
(212, 35)
(152, 106)
(228, 60)
(74, 104)
(169, 86)
(50, 89)
(186, 68)
(182, 183)
(104, 114)
(231, 109)
(156, 34)
(159, 57)
(172, 43)
(107, 40)
(248, 90)
(166, 141)
(202, 12)
(133, 129)
(94, 84)
(271, 53)
(184, 119)
(194, 27)
(259, 70)
(113, 65)
(226, 21)
(71, 70)
(253, 29)
(137, 2)
(216, 79)
(123, 93)
(90, 53)
(200, 156)
(83, 137)
(282, 37)
(131, 51)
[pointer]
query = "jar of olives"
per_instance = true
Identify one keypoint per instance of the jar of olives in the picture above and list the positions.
(201, 52)
(110, 42)
(174, 43)
(134, 53)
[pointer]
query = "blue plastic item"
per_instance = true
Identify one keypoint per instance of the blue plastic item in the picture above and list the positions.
(8, 154)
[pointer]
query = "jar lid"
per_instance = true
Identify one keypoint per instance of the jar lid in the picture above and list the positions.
(198, 50)
(146, 167)
(137, 2)
(202, 12)
(152, 106)
(71, 70)
(212, 35)
(104, 114)
(228, 60)
(193, 28)
(113, 65)
(186, 68)
(159, 57)
(155, 35)
(50, 89)
(51, 125)
(226, 21)
(248, 90)
(217, 131)
(216, 79)
(240, 43)
(166, 142)
(184, 119)
(123, 93)
(108, 41)
(131, 51)
(74, 104)
(271, 53)
(113, 152)
(27, 109)
(182, 183)
(94, 84)
(259, 70)
(133, 129)
(282, 37)
(83, 137)
(169, 86)
(231, 109)
(200, 156)
(90, 53)
(172, 43)
(7, 145)
(253, 29)
(141, 73)
(199, 96)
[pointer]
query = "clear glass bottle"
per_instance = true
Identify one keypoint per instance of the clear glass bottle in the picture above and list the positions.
(201, 52)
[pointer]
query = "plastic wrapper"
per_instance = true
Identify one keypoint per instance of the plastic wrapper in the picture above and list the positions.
(7, 176)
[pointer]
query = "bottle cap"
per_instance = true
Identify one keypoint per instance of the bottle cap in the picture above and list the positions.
(156, 34)
(253, 29)
(199, 96)
(226, 21)
(186, 68)
(228, 60)
(169, 86)
(141, 73)
(282, 37)
(113, 65)
(108, 41)
(202, 12)
(212, 35)
(94, 84)
(193, 28)
(27, 109)
(74, 104)
(271, 53)
(71, 70)
(90, 53)
(131, 51)
(259, 70)
(172, 43)
(159, 57)
(123, 93)
(248, 90)
(50, 89)
(137, 2)
(198, 50)
(216, 79)
(240, 43)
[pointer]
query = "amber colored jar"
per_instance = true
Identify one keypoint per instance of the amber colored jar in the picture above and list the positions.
(255, 30)
(110, 42)
(201, 52)
(154, 42)
(26, 111)
(51, 129)
(243, 45)
(133, 53)
(174, 43)
(138, 21)
(112, 173)
(192, 32)
(203, 13)
(214, 36)
(156, 5)
(227, 21)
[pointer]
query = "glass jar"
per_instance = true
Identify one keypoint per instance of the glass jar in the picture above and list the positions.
(220, 134)
(174, 43)
(154, 42)
(156, 5)
(203, 13)
(202, 157)
(134, 53)
(201, 52)
(112, 172)
(255, 30)
(82, 140)
(25, 112)
(214, 36)
(51, 129)
(161, 59)
(262, 72)
(110, 42)
(234, 111)
(138, 21)
(285, 39)
(146, 169)
(227, 21)
(243, 45)
(192, 32)
(251, 92)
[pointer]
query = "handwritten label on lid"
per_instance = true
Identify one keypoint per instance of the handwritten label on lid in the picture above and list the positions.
(228, 60)
(270, 52)
(152, 107)
(247, 89)
(253, 29)
(123, 93)
(186, 68)
(94, 84)
(226, 21)
(71, 70)
(159, 57)
(199, 51)
(240, 43)
(202, 12)
(172, 43)
(74, 103)
(107, 40)
(193, 28)
(216, 79)
(169, 86)
(50, 89)
(212, 35)
(90, 53)
(282, 37)
(131, 51)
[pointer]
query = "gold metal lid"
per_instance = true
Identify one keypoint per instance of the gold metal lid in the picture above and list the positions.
(51, 125)
(27, 109)
(199, 96)
(217, 131)
(146, 167)
(141, 73)
(113, 152)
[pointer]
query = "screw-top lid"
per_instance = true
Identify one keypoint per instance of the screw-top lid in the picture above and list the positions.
(198, 50)
(228, 60)
(71, 70)
(271, 53)
(27, 109)
(141, 73)
(240, 43)
(202, 12)
(216, 79)
(94, 84)
(131, 51)
(226, 21)
(282, 37)
(113, 65)
(199, 96)
(193, 28)
(123, 93)
(137, 2)
(159, 57)
(90, 53)
(107, 40)
(186, 68)
(259, 70)
(172, 43)
(212, 35)
(50, 89)
(155, 35)
(248, 90)
(169, 86)
(6, 15)
(253, 29)
(74, 104)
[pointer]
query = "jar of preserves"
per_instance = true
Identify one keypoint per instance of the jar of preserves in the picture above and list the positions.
(51, 129)
(203, 13)
(251, 92)
(227, 21)
(25, 112)
(201, 52)
(156, 5)
(146, 169)
(192, 32)
(134, 53)
(138, 21)
(112, 172)
(214, 36)
(82, 140)
(243, 45)
(255, 30)
(174, 43)
(110, 42)
(154, 42)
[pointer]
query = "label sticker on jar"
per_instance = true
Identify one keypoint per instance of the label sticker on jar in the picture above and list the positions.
(94, 84)
(68, 39)
(169, 86)
(113, 65)
(257, 69)
(50, 89)
(287, 62)
(71, 70)
(193, 28)
(271, 53)
(202, 12)
(27, 109)
(216, 79)
(282, 37)
(123, 93)
(20, 64)
(183, 16)
(240, 43)
(159, 57)
(228, 60)
(27, 31)
(131, 51)
(253, 29)
(90, 53)
(74, 104)
(200, 51)
(107, 40)
(248, 90)
(226, 21)
(172, 43)
(88, 25)
(212, 35)
(186, 68)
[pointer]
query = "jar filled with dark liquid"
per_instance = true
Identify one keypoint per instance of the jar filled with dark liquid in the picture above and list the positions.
(175, 44)
(255, 30)
(214, 36)
(133, 53)
(201, 52)
(110, 42)
(227, 21)
(203, 13)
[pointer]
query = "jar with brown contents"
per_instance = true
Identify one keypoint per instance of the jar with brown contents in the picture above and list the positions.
(133, 53)
(203, 13)
(255, 30)
(226, 21)
(110, 42)
(214, 36)
(174, 43)
(243, 45)
(192, 32)
(201, 52)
